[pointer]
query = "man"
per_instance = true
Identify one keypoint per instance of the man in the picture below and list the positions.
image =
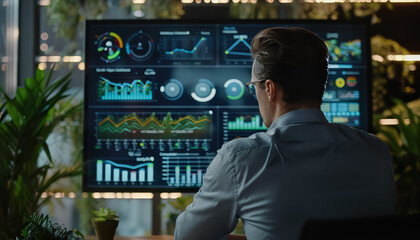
(303, 167)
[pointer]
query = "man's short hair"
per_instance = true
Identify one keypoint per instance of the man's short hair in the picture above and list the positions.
(295, 58)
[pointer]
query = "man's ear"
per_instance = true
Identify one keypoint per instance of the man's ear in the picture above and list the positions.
(273, 90)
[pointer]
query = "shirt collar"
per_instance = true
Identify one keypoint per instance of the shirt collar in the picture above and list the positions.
(300, 116)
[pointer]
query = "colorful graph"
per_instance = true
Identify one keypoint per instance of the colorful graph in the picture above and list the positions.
(234, 49)
(109, 171)
(247, 123)
(109, 46)
(345, 51)
(194, 49)
(136, 90)
(186, 48)
(154, 126)
(181, 170)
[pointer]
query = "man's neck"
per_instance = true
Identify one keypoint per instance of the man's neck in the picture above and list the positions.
(283, 108)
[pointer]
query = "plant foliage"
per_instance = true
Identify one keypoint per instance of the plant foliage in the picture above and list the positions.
(105, 214)
(404, 141)
(26, 121)
(41, 228)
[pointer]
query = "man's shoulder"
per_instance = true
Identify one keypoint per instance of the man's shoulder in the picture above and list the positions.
(353, 133)
(254, 141)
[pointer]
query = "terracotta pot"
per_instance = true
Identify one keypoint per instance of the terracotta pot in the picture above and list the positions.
(105, 230)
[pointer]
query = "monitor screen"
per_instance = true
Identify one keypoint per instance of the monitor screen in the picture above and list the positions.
(161, 97)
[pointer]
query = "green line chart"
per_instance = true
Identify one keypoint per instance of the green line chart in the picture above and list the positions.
(154, 125)
(137, 90)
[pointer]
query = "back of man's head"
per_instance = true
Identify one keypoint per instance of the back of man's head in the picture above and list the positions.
(296, 59)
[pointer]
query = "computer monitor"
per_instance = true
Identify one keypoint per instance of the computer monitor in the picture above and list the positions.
(161, 97)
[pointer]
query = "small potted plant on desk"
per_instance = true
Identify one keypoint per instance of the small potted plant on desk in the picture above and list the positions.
(105, 223)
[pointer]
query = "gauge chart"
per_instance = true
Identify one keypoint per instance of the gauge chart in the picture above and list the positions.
(109, 46)
(234, 89)
(204, 91)
(139, 46)
(172, 90)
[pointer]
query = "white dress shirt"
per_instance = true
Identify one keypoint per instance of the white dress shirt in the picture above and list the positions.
(302, 168)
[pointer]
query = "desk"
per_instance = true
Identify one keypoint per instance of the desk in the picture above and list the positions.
(160, 237)
(163, 237)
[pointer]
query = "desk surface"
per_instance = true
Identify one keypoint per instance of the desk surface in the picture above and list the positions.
(160, 237)
(163, 237)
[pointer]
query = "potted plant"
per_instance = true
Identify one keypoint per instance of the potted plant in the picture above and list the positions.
(105, 223)
(40, 227)
(26, 122)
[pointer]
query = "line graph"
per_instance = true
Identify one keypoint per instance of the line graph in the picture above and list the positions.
(152, 125)
(188, 51)
(136, 90)
(240, 40)
(237, 48)
(191, 47)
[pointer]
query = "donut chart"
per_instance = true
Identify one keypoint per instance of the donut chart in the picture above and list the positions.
(172, 90)
(109, 47)
(234, 89)
(139, 46)
(204, 91)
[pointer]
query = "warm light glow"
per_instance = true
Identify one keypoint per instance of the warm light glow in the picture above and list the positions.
(44, 36)
(42, 59)
(285, 1)
(198, 1)
(138, 13)
(175, 195)
(85, 195)
(142, 195)
(59, 195)
(407, 58)
(42, 66)
(5, 59)
(360, 1)
(164, 195)
(44, 2)
(187, 1)
(54, 59)
(412, 68)
(108, 195)
(404, 1)
(44, 195)
(3, 67)
(81, 66)
(207, 1)
(392, 121)
(72, 195)
(96, 195)
(43, 47)
(139, 1)
(126, 195)
(269, 1)
(72, 58)
(119, 195)
(377, 58)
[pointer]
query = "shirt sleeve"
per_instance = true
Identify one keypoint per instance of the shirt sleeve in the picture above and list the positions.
(212, 215)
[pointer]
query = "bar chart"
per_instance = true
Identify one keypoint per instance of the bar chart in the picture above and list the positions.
(248, 122)
(184, 171)
(139, 90)
(109, 171)
(238, 124)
